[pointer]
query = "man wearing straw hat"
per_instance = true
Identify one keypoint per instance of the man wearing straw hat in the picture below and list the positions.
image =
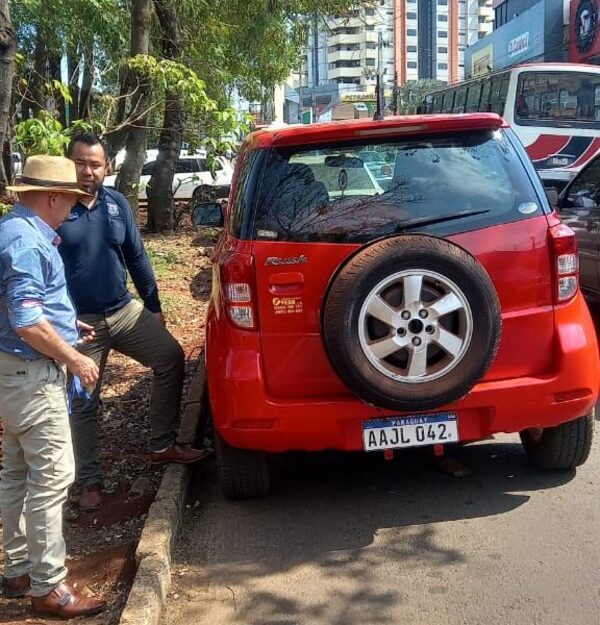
(38, 335)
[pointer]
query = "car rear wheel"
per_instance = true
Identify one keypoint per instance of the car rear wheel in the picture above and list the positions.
(563, 447)
(411, 322)
(243, 473)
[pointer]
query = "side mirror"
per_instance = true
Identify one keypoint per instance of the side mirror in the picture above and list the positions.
(208, 214)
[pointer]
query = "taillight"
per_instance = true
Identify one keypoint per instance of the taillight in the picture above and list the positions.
(238, 283)
(563, 243)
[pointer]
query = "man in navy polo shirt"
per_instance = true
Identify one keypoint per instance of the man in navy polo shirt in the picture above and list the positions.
(100, 243)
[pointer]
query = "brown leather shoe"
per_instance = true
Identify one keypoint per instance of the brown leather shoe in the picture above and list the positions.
(178, 453)
(90, 498)
(66, 602)
(15, 587)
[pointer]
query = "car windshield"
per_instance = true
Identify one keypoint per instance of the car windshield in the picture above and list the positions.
(568, 98)
(445, 183)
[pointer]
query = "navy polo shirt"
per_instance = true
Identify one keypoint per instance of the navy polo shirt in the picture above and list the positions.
(99, 245)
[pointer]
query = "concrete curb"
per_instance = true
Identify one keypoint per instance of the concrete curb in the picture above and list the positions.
(152, 580)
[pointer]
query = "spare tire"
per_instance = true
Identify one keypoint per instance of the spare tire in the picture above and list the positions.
(411, 322)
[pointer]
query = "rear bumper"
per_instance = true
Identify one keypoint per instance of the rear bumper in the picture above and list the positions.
(245, 416)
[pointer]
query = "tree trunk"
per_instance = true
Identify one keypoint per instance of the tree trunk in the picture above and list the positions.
(137, 135)
(85, 96)
(73, 68)
(8, 47)
(59, 102)
(116, 139)
(160, 188)
(40, 74)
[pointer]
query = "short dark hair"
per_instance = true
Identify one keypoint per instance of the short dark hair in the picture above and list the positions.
(89, 138)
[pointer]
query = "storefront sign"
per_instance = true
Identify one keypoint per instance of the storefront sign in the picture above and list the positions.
(585, 40)
(482, 61)
(518, 45)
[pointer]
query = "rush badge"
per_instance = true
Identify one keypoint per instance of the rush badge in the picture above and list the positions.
(113, 210)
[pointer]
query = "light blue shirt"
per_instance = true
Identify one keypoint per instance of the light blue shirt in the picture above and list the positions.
(32, 282)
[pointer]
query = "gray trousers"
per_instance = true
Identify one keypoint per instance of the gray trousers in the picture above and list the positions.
(137, 333)
(37, 469)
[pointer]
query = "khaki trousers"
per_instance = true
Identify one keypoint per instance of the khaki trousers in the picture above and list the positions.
(134, 331)
(38, 469)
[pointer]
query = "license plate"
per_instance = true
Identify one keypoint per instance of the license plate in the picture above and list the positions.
(415, 431)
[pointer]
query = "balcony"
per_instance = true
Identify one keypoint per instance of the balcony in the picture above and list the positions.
(335, 40)
(350, 22)
(345, 72)
(344, 55)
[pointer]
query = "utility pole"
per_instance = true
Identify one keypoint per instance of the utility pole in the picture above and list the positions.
(379, 91)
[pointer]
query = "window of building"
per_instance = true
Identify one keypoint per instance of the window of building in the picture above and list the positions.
(442, 50)
(442, 3)
(442, 34)
(411, 65)
(370, 63)
(369, 27)
(442, 17)
(411, 16)
(411, 48)
(370, 12)
(442, 65)
(411, 32)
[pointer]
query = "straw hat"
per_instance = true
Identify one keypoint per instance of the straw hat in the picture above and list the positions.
(48, 173)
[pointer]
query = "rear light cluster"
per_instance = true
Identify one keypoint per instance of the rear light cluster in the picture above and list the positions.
(237, 279)
(563, 243)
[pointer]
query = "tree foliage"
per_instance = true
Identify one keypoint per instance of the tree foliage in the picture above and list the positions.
(76, 63)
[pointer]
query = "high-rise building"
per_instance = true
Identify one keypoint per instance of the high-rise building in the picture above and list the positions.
(403, 39)
(347, 51)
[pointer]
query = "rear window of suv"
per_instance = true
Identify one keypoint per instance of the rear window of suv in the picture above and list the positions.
(360, 191)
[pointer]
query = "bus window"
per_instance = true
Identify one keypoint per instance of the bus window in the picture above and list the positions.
(459, 101)
(448, 101)
(437, 103)
(498, 95)
(484, 101)
(473, 96)
(548, 97)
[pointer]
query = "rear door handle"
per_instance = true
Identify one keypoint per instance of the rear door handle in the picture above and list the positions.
(286, 283)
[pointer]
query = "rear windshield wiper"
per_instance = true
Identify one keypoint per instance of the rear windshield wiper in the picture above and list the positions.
(407, 224)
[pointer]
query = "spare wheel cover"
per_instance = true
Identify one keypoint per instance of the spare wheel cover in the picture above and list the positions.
(411, 322)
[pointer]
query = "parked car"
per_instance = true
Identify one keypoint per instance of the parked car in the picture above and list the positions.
(17, 163)
(579, 207)
(192, 172)
(443, 308)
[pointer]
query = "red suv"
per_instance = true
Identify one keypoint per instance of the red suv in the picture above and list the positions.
(429, 300)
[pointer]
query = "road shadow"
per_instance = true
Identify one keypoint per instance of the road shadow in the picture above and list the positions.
(326, 508)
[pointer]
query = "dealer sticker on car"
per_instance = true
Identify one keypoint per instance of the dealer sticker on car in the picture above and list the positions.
(410, 431)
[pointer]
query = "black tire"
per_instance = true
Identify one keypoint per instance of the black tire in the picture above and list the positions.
(362, 273)
(560, 448)
(243, 473)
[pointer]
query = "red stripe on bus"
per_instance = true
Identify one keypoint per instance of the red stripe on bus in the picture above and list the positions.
(545, 146)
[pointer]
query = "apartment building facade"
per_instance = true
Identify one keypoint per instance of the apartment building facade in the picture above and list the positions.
(404, 39)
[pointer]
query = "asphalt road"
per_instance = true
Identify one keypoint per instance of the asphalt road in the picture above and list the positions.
(356, 540)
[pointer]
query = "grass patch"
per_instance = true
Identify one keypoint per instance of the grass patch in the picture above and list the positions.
(163, 261)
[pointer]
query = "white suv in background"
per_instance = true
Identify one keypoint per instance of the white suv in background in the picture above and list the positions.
(192, 172)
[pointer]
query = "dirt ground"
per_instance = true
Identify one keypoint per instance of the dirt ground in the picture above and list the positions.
(101, 545)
